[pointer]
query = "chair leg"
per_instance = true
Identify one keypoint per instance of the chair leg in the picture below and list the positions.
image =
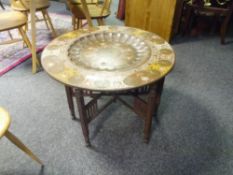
(45, 20)
(26, 26)
(9, 33)
(21, 146)
(35, 62)
(80, 24)
(73, 22)
(76, 23)
(25, 38)
(50, 23)
(224, 27)
(24, 43)
(100, 22)
(187, 17)
(223, 34)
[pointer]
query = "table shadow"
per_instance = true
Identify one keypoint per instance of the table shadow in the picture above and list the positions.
(188, 139)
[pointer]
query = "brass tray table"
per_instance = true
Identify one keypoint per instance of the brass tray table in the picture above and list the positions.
(113, 61)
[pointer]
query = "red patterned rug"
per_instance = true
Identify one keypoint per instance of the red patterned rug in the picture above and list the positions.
(14, 54)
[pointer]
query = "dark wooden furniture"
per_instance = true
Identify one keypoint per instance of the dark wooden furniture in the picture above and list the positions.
(88, 111)
(211, 8)
(121, 10)
(177, 17)
(157, 16)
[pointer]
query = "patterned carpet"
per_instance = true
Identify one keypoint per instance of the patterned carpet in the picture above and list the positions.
(14, 54)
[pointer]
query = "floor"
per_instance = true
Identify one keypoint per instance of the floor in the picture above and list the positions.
(194, 135)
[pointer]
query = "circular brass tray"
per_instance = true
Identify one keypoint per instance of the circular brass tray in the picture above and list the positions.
(108, 58)
(109, 51)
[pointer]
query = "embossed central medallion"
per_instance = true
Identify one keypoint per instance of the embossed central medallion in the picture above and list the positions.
(108, 51)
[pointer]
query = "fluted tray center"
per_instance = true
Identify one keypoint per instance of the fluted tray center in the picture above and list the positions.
(109, 51)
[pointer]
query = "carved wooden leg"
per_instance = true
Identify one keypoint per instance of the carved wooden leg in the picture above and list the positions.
(21, 146)
(83, 116)
(159, 91)
(151, 105)
(69, 95)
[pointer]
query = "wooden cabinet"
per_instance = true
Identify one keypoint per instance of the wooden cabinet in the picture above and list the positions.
(152, 15)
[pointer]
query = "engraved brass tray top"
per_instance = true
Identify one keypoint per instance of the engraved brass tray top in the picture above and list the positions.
(108, 58)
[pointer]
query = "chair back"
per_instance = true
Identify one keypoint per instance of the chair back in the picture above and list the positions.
(76, 10)
(87, 1)
(80, 11)
(106, 6)
(24, 5)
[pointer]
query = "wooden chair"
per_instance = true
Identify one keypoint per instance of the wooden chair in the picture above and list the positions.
(41, 5)
(87, 1)
(16, 20)
(97, 11)
(5, 121)
(215, 8)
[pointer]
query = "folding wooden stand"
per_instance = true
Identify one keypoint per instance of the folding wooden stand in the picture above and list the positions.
(89, 111)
